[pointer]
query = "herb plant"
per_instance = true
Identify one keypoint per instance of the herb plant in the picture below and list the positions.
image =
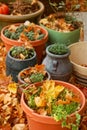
(58, 49)
(34, 74)
(21, 52)
(36, 77)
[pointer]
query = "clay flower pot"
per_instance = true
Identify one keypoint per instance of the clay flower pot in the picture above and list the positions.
(38, 122)
(23, 76)
(39, 44)
(15, 65)
(31, 75)
(10, 19)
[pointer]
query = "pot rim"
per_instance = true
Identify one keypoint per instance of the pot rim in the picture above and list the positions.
(8, 54)
(22, 17)
(65, 33)
(57, 56)
(22, 81)
(3, 37)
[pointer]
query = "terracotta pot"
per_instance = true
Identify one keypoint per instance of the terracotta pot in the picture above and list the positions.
(39, 122)
(21, 81)
(5, 127)
(27, 69)
(39, 45)
(14, 66)
(58, 66)
(10, 19)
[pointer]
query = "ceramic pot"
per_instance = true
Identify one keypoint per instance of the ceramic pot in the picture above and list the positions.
(14, 66)
(40, 122)
(59, 66)
(39, 45)
(10, 19)
(63, 37)
(78, 58)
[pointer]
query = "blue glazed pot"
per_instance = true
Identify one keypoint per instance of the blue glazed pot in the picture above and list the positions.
(59, 66)
(14, 66)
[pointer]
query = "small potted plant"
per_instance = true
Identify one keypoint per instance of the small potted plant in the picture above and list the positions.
(52, 105)
(25, 33)
(18, 58)
(57, 62)
(15, 11)
(31, 75)
(62, 26)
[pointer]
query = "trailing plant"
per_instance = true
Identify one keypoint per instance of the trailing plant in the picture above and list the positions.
(64, 6)
(61, 20)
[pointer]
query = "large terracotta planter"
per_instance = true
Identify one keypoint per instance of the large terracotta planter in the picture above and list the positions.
(39, 122)
(14, 66)
(9, 19)
(39, 45)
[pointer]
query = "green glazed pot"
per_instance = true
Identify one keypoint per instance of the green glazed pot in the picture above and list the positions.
(63, 37)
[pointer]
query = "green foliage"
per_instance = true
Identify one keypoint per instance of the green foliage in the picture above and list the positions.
(7, 33)
(17, 50)
(60, 113)
(41, 36)
(31, 102)
(58, 49)
(32, 35)
(14, 35)
(36, 77)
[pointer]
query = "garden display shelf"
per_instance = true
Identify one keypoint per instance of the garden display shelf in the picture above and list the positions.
(12, 115)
